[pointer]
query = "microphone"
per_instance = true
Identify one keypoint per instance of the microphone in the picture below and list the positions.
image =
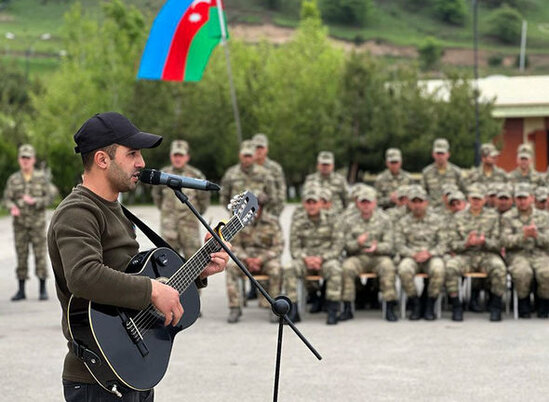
(155, 177)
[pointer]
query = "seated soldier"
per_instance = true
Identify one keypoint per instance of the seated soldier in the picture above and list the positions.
(421, 243)
(369, 246)
(475, 242)
(540, 196)
(259, 247)
(315, 246)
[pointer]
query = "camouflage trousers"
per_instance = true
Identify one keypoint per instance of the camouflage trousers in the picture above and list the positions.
(331, 271)
(35, 235)
(182, 234)
(381, 265)
(523, 267)
(434, 267)
(490, 263)
(233, 274)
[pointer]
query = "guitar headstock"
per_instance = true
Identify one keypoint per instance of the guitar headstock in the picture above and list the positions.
(245, 206)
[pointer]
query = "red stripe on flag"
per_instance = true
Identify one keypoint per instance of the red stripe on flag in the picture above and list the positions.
(174, 69)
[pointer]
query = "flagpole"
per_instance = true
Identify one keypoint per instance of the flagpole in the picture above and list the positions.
(229, 71)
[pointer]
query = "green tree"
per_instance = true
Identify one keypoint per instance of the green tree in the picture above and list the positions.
(451, 11)
(505, 24)
(355, 12)
(430, 53)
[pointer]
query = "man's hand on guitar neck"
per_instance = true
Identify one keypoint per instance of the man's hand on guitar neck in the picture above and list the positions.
(166, 300)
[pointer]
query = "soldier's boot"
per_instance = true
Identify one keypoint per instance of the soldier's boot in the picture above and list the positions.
(293, 314)
(234, 315)
(430, 309)
(524, 307)
(416, 308)
(316, 303)
(43, 291)
(252, 294)
(20, 295)
(543, 308)
(495, 308)
(347, 313)
(390, 311)
(333, 312)
(474, 303)
(457, 309)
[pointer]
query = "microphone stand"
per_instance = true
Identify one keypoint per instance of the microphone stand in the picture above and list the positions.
(280, 305)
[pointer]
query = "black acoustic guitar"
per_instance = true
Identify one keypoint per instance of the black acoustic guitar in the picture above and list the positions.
(128, 349)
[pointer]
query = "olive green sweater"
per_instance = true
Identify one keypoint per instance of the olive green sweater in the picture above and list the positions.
(90, 242)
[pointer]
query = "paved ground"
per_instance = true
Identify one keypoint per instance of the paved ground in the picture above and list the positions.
(364, 359)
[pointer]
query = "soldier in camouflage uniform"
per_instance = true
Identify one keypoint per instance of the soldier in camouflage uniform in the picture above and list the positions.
(492, 194)
(444, 208)
(261, 150)
(369, 243)
(525, 172)
(326, 177)
(525, 237)
(259, 246)
(391, 178)
(487, 172)
(475, 242)
(178, 225)
(326, 199)
(247, 175)
(504, 201)
(420, 242)
(401, 208)
(540, 196)
(26, 196)
(440, 172)
(315, 246)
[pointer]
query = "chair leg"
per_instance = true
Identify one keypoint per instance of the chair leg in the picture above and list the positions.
(438, 306)
(301, 302)
(515, 304)
(508, 295)
(403, 304)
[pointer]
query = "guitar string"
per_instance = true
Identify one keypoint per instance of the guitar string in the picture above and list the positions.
(183, 277)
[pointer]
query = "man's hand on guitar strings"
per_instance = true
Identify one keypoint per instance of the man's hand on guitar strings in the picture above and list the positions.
(166, 300)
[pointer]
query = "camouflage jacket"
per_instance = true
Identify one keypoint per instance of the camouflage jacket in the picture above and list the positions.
(512, 236)
(397, 213)
(261, 239)
(533, 177)
(256, 179)
(277, 174)
(318, 237)
(477, 175)
(37, 187)
(387, 183)
(165, 199)
(378, 227)
(414, 234)
(432, 180)
(486, 223)
(336, 183)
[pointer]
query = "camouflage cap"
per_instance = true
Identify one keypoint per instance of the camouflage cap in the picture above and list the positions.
(179, 147)
(326, 194)
(402, 190)
(505, 190)
(325, 157)
(476, 191)
(448, 188)
(356, 189)
(311, 193)
(260, 140)
(416, 191)
(26, 151)
(523, 190)
(488, 149)
(525, 151)
(393, 155)
(441, 145)
(541, 193)
(456, 196)
(367, 193)
(247, 148)
(492, 189)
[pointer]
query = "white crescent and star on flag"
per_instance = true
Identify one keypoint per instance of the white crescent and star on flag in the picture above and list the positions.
(197, 17)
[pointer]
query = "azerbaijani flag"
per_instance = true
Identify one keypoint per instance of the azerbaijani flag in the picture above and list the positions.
(181, 40)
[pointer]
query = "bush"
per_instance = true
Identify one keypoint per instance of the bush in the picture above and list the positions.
(506, 24)
(430, 53)
(451, 11)
(495, 60)
(355, 12)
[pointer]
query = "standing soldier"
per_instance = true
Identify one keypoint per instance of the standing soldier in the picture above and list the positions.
(391, 178)
(526, 240)
(247, 175)
(261, 150)
(475, 242)
(421, 244)
(178, 224)
(440, 172)
(401, 208)
(369, 244)
(487, 172)
(259, 247)
(540, 196)
(326, 177)
(26, 197)
(315, 246)
(525, 172)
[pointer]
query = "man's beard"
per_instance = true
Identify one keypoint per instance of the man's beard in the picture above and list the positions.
(120, 180)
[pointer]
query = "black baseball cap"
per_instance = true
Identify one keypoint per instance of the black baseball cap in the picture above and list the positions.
(112, 128)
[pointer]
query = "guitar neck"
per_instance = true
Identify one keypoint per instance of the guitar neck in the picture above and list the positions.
(194, 266)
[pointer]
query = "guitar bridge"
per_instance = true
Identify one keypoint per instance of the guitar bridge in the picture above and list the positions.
(134, 334)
